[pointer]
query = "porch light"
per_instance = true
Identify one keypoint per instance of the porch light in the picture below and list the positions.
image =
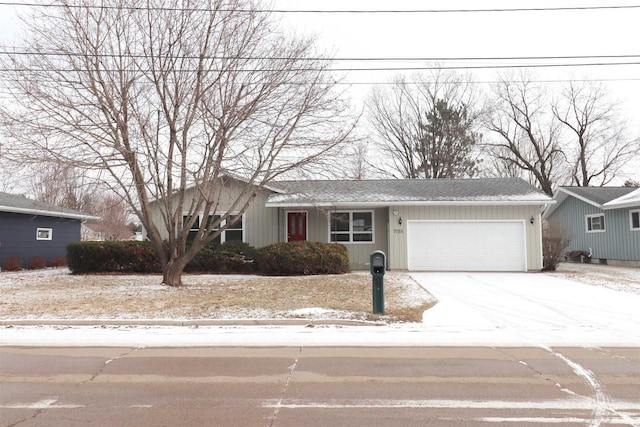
(400, 220)
(532, 220)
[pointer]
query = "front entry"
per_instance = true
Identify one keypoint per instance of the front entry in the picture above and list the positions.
(296, 226)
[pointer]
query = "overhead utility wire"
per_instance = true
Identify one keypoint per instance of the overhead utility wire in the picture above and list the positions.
(332, 11)
(23, 52)
(453, 67)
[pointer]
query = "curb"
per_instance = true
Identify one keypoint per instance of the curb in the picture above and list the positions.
(190, 323)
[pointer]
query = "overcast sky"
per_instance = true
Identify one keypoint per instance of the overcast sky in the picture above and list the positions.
(425, 33)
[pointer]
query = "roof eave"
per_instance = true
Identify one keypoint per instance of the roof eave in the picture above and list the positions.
(411, 203)
(13, 209)
(623, 205)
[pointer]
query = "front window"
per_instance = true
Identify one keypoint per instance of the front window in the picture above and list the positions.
(235, 231)
(595, 223)
(352, 227)
(44, 234)
(635, 219)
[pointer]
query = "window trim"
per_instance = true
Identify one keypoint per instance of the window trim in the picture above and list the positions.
(631, 212)
(223, 235)
(351, 232)
(49, 233)
(587, 218)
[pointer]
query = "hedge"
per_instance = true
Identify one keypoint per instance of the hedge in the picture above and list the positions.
(228, 257)
(296, 258)
(302, 258)
(111, 257)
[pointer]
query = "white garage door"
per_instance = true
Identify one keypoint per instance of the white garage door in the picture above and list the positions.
(466, 245)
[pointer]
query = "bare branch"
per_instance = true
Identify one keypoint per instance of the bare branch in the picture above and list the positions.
(170, 101)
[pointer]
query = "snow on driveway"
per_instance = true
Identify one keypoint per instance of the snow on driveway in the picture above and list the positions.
(530, 309)
(487, 309)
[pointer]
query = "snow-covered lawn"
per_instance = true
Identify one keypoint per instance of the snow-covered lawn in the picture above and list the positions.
(54, 294)
(580, 305)
(618, 278)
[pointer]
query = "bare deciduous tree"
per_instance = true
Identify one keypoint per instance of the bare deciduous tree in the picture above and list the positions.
(579, 138)
(62, 184)
(114, 217)
(425, 128)
(597, 146)
(172, 98)
(527, 135)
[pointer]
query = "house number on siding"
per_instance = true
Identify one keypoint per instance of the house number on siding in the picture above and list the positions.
(398, 231)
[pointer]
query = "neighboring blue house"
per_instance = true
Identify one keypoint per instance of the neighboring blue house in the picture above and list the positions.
(603, 221)
(29, 228)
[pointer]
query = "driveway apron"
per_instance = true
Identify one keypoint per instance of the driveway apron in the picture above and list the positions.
(532, 306)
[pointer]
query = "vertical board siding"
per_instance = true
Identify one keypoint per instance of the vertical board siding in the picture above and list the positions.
(18, 236)
(617, 242)
(261, 224)
(533, 241)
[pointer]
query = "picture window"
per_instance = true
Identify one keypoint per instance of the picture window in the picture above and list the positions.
(352, 227)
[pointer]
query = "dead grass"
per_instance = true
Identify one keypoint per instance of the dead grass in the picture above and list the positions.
(55, 294)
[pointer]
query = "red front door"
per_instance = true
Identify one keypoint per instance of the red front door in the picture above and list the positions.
(296, 226)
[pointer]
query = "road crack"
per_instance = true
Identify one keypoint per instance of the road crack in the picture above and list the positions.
(106, 363)
(278, 405)
(46, 405)
(541, 374)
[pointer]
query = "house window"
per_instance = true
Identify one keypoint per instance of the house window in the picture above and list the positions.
(595, 223)
(352, 227)
(635, 219)
(234, 233)
(44, 234)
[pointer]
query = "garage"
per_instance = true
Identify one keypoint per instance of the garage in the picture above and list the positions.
(466, 245)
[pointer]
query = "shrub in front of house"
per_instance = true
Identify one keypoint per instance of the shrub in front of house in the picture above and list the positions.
(36, 263)
(228, 257)
(12, 263)
(112, 257)
(555, 238)
(302, 258)
(296, 258)
(58, 261)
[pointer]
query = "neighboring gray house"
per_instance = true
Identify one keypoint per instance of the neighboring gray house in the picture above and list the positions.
(441, 224)
(602, 221)
(29, 228)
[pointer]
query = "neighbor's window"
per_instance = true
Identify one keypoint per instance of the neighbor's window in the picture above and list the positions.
(235, 232)
(635, 219)
(352, 227)
(595, 223)
(44, 234)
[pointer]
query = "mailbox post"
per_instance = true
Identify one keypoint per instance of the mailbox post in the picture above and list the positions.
(378, 261)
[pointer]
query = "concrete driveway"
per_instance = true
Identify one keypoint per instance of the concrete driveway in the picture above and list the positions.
(529, 308)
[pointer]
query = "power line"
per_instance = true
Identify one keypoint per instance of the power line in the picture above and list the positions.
(361, 69)
(24, 52)
(331, 11)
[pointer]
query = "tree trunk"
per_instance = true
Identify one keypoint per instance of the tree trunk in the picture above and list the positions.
(172, 272)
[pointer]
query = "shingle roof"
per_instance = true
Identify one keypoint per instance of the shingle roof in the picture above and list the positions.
(412, 191)
(20, 204)
(599, 195)
(630, 199)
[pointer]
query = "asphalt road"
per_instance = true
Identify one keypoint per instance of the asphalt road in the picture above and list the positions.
(319, 386)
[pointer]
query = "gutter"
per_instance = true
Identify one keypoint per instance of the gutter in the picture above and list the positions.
(409, 203)
(55, 214)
